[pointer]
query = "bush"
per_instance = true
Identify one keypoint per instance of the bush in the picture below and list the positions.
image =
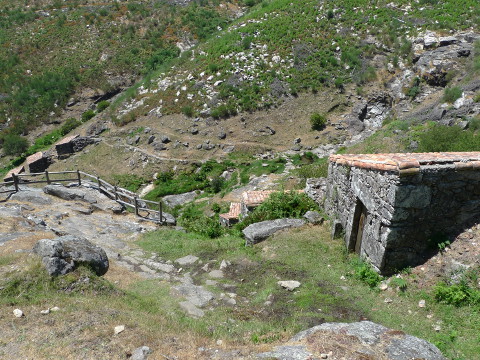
(452, 94)
(188, 111)
(280, 205)
(69, 125)
(102, 105)
(415, 89)
(318, 121)
(457, 295)
(448, 138)
(364, 272)
(194, 220)
(14, 144)
(87, 115)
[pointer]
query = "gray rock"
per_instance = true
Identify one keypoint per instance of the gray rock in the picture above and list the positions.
(365, 339)
(222, 135)
(64, 254)
(186, 260)
(260, 231)
(159, 146)
(314, 217)
(141, 353)
(180, 199)
(151, 138)
(191, 309)
(165, 139)
(196, 295)
(32, 196)
(216, 274)
(290, 285)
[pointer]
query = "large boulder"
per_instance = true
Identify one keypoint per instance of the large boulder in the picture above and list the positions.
(64, 254)
(91, 196)
(354, 341)
(260, 231)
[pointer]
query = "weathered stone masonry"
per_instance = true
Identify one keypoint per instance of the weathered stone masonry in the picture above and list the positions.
(390, 205)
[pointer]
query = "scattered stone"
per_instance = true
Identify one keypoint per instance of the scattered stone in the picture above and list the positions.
(186, 260)
(224, 264)
(55, 309)
(297, 141)
(191, 309)
(437, 328)
(151, 138)
(45, 312)
(118, 329)
(222, 135)
(216, 274)
(388, 301)
(314, 217)
(290, 285)
(64, 254)
(383, 286)
(18, 313)
(141, 353)
(421, 303)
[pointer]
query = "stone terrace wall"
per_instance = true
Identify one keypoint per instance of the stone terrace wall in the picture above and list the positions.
(376, 190)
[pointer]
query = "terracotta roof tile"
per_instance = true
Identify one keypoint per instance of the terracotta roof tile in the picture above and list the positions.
(234, 213)
(18, 170)
(399, 161)
(253, 198)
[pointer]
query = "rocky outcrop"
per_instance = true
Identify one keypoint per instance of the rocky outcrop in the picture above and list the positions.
(180, 199)
(64, 254)
(315, 189)
(260, 231)
(91, 196)
(354, 341)
(369, 114)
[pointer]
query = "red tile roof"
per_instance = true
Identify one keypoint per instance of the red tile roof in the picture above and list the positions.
(234, 213)
(255, 198)
(400, 162)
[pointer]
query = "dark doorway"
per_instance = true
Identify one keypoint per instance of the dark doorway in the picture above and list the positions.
(359, 220)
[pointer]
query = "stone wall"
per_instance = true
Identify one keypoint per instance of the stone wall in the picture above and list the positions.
(403, 212)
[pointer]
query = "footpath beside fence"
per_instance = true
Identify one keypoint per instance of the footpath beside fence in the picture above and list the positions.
(123, 196)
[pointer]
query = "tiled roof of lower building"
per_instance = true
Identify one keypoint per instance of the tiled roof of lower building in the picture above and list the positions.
(34, 157)
(66, 140)
(234, 213)
(397, 161)
(254, 198)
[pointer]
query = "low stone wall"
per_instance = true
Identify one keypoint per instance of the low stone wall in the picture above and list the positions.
(402, 212)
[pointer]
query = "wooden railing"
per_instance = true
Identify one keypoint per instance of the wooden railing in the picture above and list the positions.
(123, 196)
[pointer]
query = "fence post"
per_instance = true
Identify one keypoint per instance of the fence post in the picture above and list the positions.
(15, 182)
(160, 211)
(116, 195)
(99, 183)
(79, 178)
(48, 178)
(136, 205)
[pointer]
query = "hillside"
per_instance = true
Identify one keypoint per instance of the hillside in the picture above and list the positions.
(192, 103)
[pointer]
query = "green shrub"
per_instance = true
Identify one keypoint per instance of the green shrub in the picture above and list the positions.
(450, 95)
(318, 121)
(188, 111)
(14, 144)
(280, 205)
(447, 138)
(87, 115)
(363, 271)
(194, 220)
(130, 182)
(457, 294)
(102, 105)
(400, 283)
(415, 89)
(69, 125)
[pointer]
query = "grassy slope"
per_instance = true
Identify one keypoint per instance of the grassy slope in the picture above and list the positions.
(50, 50)
(316, 44)
(151, 317)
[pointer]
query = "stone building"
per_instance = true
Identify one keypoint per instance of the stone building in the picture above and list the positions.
(65, 147)
(37, 162)
(393, 208)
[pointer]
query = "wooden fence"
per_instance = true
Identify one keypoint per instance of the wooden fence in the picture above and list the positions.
(123, 196)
